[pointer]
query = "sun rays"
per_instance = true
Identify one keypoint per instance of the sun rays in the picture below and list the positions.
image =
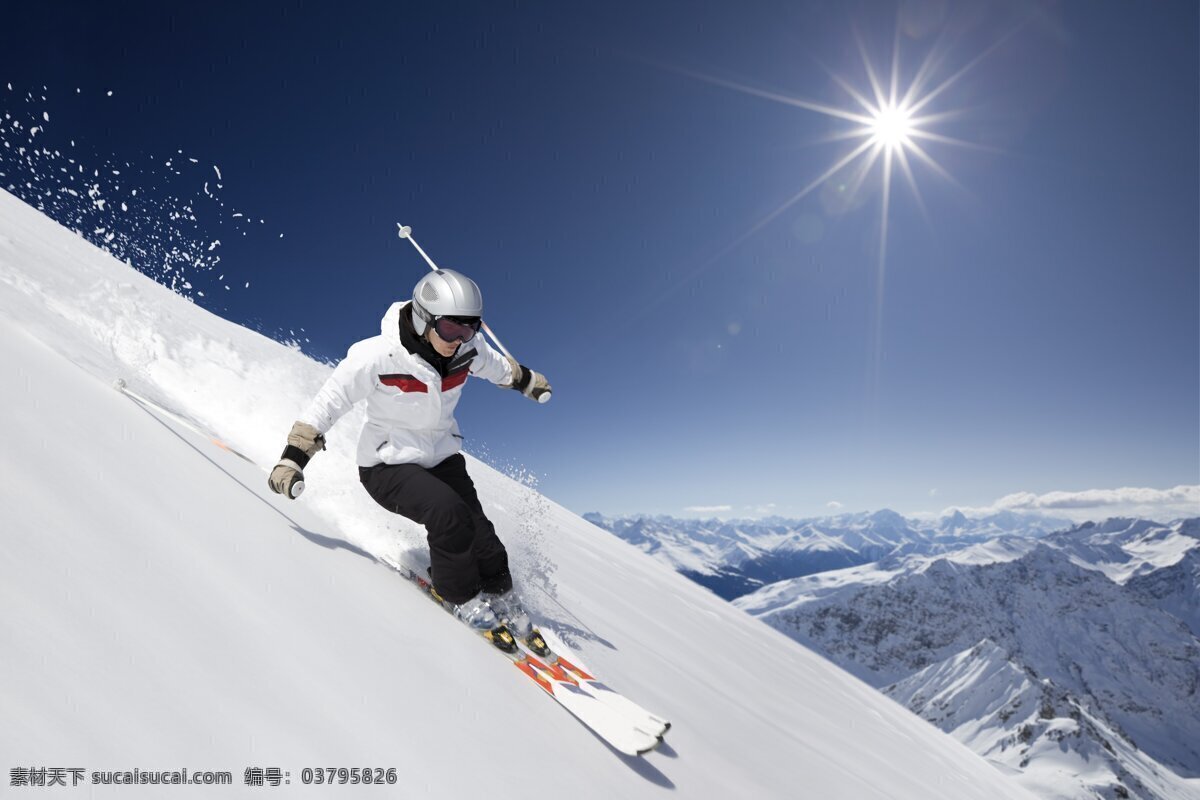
(888, 124)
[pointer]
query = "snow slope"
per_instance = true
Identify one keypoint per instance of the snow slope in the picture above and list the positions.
(160, 609)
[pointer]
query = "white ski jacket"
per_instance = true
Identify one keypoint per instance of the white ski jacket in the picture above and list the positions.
(410, 406)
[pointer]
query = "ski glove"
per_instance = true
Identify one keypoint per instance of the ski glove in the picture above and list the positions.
(287, 478)
(529, 383)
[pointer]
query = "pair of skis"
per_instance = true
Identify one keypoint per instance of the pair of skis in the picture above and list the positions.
(622, 723)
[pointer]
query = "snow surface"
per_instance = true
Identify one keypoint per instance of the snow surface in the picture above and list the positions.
(160, 609)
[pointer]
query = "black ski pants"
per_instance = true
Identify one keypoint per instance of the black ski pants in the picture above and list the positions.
(464, 550)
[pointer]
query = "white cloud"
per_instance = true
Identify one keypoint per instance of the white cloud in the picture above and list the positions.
(708, 509)
(834, 504)
(1157, 504)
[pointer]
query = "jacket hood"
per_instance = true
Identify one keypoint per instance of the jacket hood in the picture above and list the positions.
(389, 326)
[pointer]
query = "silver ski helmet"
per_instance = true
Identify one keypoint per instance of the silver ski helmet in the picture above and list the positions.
(444, 293)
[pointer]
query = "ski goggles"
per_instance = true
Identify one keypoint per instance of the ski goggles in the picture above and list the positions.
(451, 328)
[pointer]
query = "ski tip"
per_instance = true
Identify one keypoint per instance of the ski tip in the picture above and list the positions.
(656, 733)
(651, 748)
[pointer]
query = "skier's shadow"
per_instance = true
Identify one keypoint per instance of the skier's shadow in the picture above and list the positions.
(328, 542)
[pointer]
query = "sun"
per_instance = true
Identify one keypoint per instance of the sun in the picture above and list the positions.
(892, 127)
(889, 125)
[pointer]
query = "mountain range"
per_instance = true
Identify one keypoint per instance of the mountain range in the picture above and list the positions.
(1073, 654)
(733, 558)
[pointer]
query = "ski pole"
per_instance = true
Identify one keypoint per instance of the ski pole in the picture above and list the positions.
(120, 385)
(405, 232)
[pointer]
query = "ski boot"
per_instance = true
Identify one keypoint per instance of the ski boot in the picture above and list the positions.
(477, 615)
(511, 611)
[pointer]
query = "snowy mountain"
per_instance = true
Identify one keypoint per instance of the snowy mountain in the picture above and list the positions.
(160, 609)
(1004, 712)
(1124, 549)
(1174, 589)
(975, 641)
(737, 557)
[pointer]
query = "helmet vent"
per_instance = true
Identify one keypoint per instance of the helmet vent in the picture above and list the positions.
(428, 293)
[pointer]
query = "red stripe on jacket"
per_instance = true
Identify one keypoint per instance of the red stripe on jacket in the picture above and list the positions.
(454, 380)
(405, 383)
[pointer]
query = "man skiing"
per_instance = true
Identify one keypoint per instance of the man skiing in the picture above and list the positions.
(411, 377)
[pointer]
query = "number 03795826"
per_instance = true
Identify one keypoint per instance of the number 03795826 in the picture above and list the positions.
(343, 775)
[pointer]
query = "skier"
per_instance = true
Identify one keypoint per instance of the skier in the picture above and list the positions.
(412, 376)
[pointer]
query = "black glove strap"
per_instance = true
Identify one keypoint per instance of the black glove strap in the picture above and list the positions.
(523, 381)
(294, 453)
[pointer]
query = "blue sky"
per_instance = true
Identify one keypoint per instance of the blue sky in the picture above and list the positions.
(1036, 328)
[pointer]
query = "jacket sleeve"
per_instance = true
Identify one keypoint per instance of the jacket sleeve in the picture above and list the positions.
(491, 365)
(352, 380)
